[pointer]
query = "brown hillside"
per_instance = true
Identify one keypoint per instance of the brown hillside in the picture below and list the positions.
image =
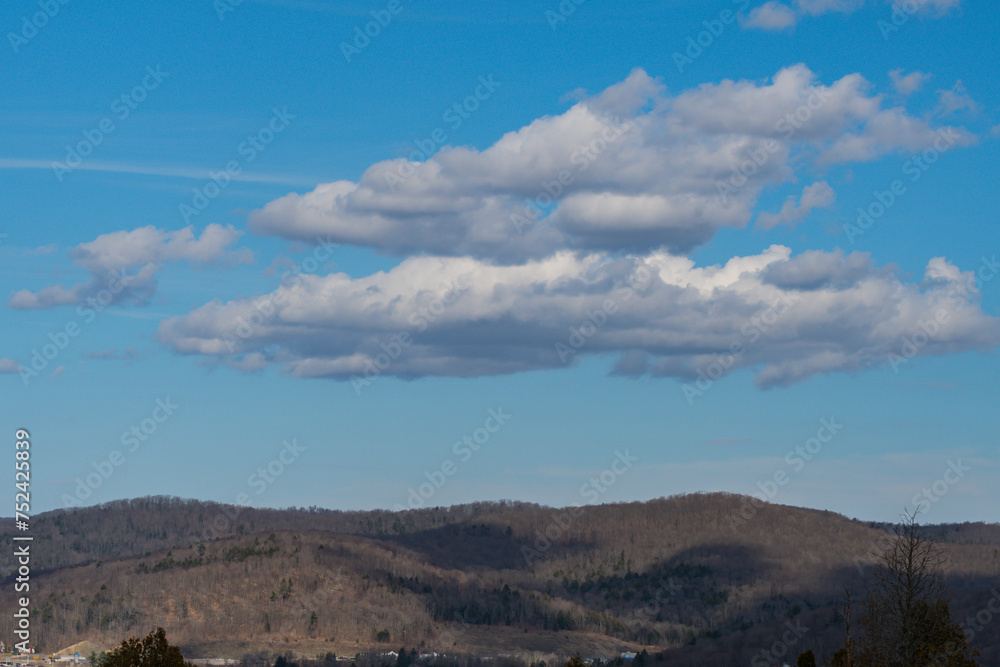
(672, 574)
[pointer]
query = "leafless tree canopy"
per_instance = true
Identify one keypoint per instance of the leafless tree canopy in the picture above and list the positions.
(674, 575)
(906, 620)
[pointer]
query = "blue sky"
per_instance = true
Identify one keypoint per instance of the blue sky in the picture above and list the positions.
(643, 251)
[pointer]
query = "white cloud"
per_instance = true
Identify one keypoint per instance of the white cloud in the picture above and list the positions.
(817, 195)
(9, 366)
(817, 7)
(892, 130)
(771, 15)
(837, 314)
(632, 169)
(626, 182)
(110, 257)
(909, 83)
(150, 245)
(956, 99)
(775, 15)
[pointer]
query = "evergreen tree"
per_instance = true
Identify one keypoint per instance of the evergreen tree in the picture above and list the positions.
(150, 651)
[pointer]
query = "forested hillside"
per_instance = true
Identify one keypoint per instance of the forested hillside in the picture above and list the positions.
(675, 575)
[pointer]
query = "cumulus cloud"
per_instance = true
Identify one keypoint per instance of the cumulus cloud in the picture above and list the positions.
(123, 265)
(908, 83)
(775, 15)
(816, 7)
(892, 128)
(658, 313)
(816, 269)
(567, 237)
(955, 99)
(9, 366)
(771, 16)
(817, 195)
(632, 169)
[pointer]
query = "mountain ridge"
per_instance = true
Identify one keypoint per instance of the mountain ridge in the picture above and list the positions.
(671, 574)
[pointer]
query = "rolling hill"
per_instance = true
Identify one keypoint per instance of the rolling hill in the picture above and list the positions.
(676, 575)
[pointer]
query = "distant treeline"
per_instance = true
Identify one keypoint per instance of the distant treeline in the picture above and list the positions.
(674, 575)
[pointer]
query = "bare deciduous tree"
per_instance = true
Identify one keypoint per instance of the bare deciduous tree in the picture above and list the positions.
(906, 621)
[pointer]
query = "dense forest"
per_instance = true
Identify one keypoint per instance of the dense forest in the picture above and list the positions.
(680, 577)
